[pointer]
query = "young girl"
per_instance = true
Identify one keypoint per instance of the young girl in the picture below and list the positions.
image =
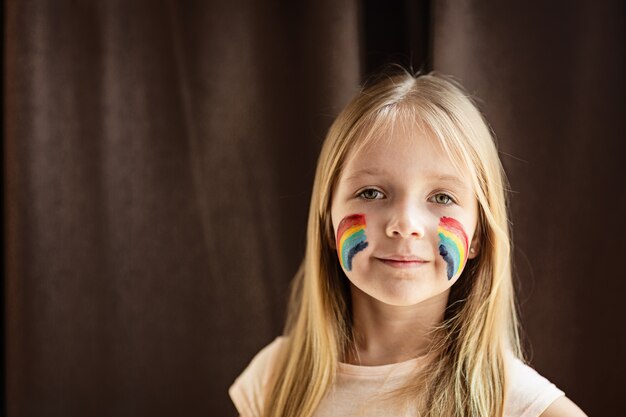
(404, 303)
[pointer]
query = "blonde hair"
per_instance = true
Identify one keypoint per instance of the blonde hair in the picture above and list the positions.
(480, 325)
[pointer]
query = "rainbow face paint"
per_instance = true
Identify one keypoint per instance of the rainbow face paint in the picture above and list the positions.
(351, 238)
(452, 245)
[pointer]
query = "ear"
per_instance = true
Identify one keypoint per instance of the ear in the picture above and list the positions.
(475, 244)
(474, 248)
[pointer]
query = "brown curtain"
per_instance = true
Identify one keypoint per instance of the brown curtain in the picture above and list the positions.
(159, 162)
(551, 78)
(159, 157)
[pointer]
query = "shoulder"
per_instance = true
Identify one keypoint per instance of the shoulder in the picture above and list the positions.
(563, 407)
(528, 394)
(248, 390)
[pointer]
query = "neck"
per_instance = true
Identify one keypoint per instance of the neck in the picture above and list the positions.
(385, 334)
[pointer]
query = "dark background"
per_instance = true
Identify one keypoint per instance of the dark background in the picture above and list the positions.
(158, 163)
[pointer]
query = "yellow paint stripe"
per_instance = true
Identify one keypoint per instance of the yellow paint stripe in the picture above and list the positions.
(349, 232)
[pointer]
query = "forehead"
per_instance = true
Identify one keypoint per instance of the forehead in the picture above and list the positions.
(405, 152)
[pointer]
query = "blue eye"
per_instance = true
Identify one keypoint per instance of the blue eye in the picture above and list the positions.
(443, 199)
(370, 194)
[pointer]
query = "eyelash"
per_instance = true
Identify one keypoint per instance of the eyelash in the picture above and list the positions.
(360, 195)
(451, 200)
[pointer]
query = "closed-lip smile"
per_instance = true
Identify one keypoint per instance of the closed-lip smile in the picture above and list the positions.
(401, 261)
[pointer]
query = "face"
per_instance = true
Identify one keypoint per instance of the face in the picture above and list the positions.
(404, 219)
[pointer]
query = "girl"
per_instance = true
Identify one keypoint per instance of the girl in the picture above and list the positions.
(404, 302)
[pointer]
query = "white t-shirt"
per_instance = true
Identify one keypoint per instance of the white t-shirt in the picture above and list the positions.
(356, 390)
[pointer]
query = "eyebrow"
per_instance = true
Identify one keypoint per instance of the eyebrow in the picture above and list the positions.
(434, 177)
(366, 171)
(447, 178)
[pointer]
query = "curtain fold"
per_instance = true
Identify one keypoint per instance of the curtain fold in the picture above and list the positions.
(159, 158)
(550, 80)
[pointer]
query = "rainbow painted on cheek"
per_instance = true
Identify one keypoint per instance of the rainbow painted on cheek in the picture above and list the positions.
(452, 245)
(351, 238)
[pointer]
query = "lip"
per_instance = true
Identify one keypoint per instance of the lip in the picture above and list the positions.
(403, 261)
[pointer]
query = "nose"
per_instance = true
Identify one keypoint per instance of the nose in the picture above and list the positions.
(405, 221)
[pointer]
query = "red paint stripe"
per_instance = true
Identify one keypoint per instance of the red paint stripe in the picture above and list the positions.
(348, 222)
(455, 227)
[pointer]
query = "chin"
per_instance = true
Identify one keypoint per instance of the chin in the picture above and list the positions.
(404, 293)
(401, 300)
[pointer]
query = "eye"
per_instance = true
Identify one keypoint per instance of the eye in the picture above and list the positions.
(443, 199)
(370, 194)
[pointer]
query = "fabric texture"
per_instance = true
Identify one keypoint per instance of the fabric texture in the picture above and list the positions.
(158, 162)
(359, 391)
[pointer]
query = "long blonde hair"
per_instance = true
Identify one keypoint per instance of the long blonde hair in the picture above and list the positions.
(480, 325)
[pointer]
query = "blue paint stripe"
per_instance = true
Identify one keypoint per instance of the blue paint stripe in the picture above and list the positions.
(446, 257)
(452, 248)
(358, 248)
(350, 243)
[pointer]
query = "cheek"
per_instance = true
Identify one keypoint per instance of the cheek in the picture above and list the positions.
(350, 239)
(452, 245)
